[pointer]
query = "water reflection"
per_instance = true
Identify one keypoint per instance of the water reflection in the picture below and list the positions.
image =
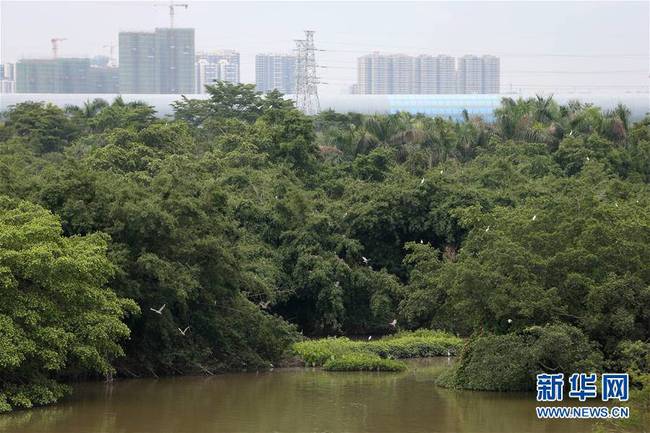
(288, 400)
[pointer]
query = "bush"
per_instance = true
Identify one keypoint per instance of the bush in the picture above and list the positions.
(416, 344)
(363, 362)
(317, 352)
(510, 362)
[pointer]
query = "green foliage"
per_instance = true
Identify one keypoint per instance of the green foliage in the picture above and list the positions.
(43, 127)
(406, 344)
(363, 362)
(250, 221)
(317, 352)
(417, 344)
(510, 362)
(57, 316)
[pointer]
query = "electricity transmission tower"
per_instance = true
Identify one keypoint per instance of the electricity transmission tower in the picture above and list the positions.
(306, 77)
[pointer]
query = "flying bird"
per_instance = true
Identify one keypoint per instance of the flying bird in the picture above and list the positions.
(183, 331)
(158, 311)
(365, 260)
(264, 305)
(393, 323)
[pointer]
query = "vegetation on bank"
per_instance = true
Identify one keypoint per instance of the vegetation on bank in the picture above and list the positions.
(363, 361)
(510, 362)
(406, 344)
(250, 221)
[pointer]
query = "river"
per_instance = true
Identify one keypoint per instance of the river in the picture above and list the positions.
(289, 400)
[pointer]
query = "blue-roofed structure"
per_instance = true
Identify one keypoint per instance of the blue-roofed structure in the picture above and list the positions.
(447, 106)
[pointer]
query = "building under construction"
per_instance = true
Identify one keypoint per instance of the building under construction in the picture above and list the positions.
(64, 75)
(157, 62)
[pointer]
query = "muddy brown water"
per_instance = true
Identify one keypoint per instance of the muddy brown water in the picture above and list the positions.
(292, 400)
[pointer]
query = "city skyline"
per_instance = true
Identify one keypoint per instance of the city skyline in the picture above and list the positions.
(560, 46)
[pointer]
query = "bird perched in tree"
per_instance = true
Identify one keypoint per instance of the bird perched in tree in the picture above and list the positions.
(487, 229)
(534, 217)
(365, 260)
(369, 337)
(509, 320)
(422, 181)
(264, 305)
(159, 310)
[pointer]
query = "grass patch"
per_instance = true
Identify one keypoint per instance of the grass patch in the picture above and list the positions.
(408, 344)
(417, 344)
(363, 362)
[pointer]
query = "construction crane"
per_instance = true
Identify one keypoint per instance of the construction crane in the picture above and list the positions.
(55, 46)
(171, 7)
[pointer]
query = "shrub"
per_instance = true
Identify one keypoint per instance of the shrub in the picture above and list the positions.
(510, 362)
(363, 362)
(317, 352)
(417, 344)
(422, 343)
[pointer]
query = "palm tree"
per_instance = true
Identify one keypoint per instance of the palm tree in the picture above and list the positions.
(437, 137)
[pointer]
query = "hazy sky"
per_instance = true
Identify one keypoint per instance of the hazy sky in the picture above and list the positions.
(543, 45)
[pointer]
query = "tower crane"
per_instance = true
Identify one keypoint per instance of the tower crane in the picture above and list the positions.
(55, 46)
(172, 5)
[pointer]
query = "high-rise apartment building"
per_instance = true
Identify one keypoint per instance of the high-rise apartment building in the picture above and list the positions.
(214, 66)
(375, 74)
(7, 75)
(275, 71)
(175, 59)
(491, 74)
(470, 74)
(446, 77)
(137, 60)
(425, 74)
(64, 75)
(158, 62)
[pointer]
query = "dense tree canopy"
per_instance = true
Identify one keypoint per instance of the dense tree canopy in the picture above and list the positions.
(57, 315)
(250, 222)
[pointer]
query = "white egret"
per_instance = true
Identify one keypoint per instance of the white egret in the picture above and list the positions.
(159, 310)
